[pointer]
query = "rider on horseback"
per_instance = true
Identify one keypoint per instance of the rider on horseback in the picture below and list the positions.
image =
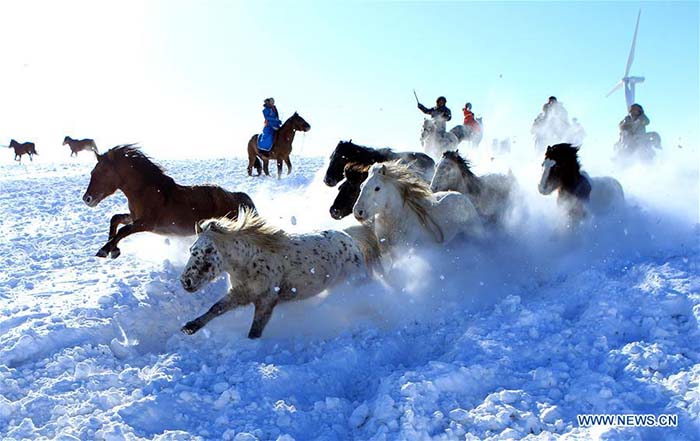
(272, 123)
(470, 121)
(440, 113)
(634, 125)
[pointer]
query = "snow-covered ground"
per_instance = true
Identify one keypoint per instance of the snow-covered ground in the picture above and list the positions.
(508, 338)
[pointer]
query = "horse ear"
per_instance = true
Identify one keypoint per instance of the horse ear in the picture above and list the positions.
(198, 228)
(382, 170)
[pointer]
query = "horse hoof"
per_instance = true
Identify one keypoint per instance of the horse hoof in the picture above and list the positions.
(189, 329)
(115, 253)
(102, 253)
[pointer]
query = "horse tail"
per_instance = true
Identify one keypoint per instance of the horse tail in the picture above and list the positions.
(368, 244)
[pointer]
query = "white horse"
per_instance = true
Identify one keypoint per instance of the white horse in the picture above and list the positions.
(579, 194)
(267, 265)
(435, 139)
(404, 211)
(491, 194)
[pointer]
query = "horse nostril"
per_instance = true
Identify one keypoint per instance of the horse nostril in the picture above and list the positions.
(87, 199)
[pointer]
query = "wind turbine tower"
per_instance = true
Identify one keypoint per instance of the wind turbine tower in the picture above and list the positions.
(627, 81)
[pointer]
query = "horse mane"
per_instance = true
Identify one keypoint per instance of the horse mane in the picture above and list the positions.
(153, 173)
(465, 168)
(566, 157)
(355, 172)
(249, 227)
(366, 155)
(564, 154)
(414, 191)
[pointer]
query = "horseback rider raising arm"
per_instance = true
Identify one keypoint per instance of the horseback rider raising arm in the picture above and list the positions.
(272, 124)
(440, 113)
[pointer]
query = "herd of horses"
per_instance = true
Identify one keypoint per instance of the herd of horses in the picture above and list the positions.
(29, 148)
(399, 199)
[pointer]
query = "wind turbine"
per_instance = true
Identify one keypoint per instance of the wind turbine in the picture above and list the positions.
(628, 81)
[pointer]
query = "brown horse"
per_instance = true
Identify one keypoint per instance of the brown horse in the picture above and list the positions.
(78, 145)
(25, 148)
(156, 202)
(281, 147)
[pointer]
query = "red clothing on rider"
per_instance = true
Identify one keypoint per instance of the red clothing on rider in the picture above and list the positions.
(470, 120)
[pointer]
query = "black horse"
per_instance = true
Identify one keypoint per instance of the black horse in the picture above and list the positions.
(349, 190)
(348, 153)
(577, 192)
(23, 148)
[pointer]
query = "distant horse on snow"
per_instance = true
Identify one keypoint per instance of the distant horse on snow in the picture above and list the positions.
(78, 145)
(281, 147)
(25, 148)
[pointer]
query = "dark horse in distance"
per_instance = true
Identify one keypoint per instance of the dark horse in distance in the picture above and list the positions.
(281, 147)
(25, 148)
(78, 145)
(156, 202)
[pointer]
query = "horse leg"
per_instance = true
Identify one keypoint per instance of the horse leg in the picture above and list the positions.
(116, 220)
(263, 312)
(266, 166)
(289, 165)
(123, 232)
(229, 301)
(279, 168)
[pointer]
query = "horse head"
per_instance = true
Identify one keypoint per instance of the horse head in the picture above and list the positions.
(205, 262)
(338, 159)
(447, 173)
(559, 168)
(66, 140)
(375, 194)
(104, 180)
(349, 191)
(298, 123)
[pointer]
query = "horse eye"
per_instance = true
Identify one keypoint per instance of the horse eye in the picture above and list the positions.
(376, 188)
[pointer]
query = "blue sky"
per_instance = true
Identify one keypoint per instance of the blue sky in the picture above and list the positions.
(187, 78)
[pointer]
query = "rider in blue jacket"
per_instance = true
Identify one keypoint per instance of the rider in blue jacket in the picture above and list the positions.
(272, 123)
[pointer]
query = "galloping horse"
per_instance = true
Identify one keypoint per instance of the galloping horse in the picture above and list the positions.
(348, 153)
(267, 266)
(349, 190)
(78, 145)
(281, 147)
(436, 140)
(25, 148)
(491, 194)
(404, 211)
(579, 194)
(156, 202)
(465, 133)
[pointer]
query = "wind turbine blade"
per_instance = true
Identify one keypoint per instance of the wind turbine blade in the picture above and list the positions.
(617, 86)
(630, 59)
